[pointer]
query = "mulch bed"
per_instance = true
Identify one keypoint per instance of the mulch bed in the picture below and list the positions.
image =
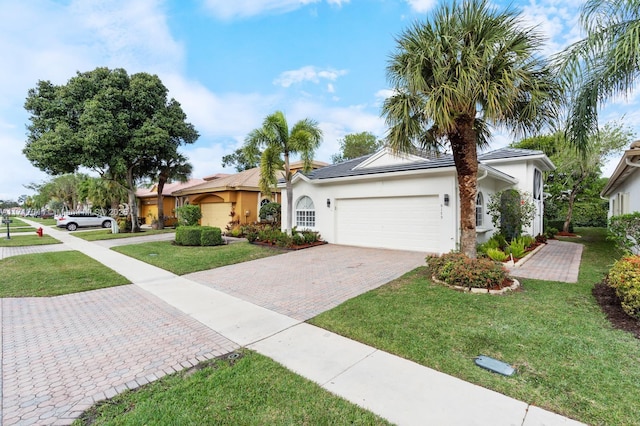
(293, 247)
(610, 305)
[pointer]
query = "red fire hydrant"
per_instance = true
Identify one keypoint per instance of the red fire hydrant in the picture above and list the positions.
(39, 232)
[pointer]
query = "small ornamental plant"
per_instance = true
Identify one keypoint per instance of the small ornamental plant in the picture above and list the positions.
(624, 277)
(456, 269)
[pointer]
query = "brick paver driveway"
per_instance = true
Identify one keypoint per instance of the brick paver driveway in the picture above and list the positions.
(304, 283)
(62, 354)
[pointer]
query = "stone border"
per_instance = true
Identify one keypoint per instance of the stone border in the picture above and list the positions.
(523, 260)
(512, 287)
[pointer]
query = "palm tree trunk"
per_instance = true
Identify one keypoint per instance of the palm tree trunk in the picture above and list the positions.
(465, 156)
(289, 188)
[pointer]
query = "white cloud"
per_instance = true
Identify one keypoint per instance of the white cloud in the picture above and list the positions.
(228, 9)
(307, 73)
(421, 6)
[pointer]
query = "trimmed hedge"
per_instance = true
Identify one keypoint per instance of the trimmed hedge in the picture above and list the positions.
(624, 277)
(211, 236)
(198, 236)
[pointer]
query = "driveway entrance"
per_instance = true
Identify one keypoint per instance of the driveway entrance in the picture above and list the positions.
(302, 284)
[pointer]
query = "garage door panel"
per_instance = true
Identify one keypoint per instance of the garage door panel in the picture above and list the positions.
(407, 223)
(215, 214)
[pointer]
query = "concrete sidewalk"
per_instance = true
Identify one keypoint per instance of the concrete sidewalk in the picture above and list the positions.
(397, 389)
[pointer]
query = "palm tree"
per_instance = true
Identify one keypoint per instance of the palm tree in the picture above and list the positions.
(277, 141)
(602, 65)
(469, 67)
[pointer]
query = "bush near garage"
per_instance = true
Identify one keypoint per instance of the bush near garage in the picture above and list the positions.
(459, 270)
(211, 236)
(624, 277)
(198, 236)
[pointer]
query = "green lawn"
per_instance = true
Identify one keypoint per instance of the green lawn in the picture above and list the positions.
(13, 230)
(253, 390)
(27, 240)
(53, 274)
(182, 260)
(568, 358)
(45, 222)
(105, 234)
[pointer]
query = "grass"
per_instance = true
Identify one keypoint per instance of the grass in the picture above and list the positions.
(568, 358)
(45, 222)
(183, 260)
(13, 229)
(105, 234)
(54, 274)
(28, 240)
(252, 390)
(15, 222)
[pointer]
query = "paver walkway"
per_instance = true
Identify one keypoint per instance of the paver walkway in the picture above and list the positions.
(557, 261)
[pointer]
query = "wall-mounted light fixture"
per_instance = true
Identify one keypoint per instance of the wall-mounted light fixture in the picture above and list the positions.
(247, 213)
(329, 202)
(446, 199)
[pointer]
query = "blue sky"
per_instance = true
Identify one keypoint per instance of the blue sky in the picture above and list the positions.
(231, 62)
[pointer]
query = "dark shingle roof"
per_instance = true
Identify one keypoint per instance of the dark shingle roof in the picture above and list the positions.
(503, 153)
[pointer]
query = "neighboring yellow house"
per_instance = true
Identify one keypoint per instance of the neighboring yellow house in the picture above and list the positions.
(230, 198)
(148, 201)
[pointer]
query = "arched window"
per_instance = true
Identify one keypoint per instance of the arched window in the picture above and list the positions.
(479, 209)
(305, 213)
(537, 184)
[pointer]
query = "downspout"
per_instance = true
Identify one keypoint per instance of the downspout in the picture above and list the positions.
(486, 172)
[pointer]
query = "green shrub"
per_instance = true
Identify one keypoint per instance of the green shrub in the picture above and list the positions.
(189, 235)
(624, 277)
(298, 239)
(250, 232)
(541, 239)
(124, 223)
(271, 212)
(459, 270)
(624, 230)
(188, 215)
(510, 211)
(551, 232)
(497, 254)
(517, 247)
(558, 224)
(311, 236)
(211, 236)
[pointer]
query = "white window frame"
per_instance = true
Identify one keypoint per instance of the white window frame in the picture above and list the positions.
(479, 209)
(305, 213)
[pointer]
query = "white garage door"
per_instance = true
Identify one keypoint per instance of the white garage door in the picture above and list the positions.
(405, 223)
(215, 214)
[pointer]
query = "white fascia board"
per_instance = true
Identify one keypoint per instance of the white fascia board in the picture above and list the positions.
(547, 165)
(497, 174)
(394, 175)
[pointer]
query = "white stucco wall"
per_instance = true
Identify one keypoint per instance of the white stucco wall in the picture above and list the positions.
(630, 190)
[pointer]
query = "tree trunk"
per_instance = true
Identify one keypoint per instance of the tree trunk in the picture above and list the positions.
(567, 221)
(133, 205)
(465, 156)
(289, 188)
(160, 201)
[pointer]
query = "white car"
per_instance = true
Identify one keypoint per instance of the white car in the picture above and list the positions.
(73, 221)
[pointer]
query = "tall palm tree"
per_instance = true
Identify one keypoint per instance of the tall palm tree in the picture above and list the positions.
(603, 65)
(278, 143)
(468, 67)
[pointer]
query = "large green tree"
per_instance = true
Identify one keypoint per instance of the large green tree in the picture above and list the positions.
(603, 65)
(468, 67)
(576, 172)
(278, 143)
(107, 121)
(242, 159)
(356, 145)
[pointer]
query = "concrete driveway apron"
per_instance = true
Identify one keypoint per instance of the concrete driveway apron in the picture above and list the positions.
(302, 284)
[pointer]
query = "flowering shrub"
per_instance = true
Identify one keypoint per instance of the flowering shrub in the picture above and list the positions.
(624, 277)
(624, 230)
(459, 270)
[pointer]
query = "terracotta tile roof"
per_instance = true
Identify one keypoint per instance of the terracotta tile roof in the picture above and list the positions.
(168, 188)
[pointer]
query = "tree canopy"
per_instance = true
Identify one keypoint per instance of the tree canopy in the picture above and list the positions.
(242, 159)
(356, 145)
(603, 65)
(577, 174)
(278, 143)
(118, 125)
(470, 66)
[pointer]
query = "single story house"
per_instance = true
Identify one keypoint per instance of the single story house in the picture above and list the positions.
(148, 200)
(409, 202)
(623, 188)
(235, 197)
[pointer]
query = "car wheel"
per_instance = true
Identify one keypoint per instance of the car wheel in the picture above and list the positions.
(106, 224)
(72, 227)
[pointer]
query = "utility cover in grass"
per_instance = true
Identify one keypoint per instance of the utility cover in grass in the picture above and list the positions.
(494, 365)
